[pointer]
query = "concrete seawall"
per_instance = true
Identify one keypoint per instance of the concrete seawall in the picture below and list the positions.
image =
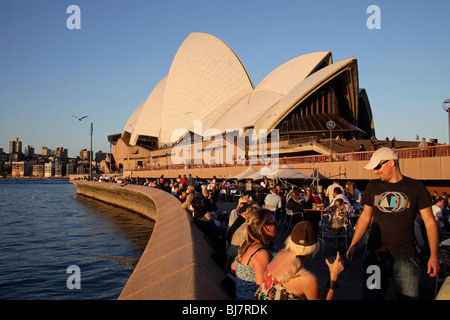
(177, 263)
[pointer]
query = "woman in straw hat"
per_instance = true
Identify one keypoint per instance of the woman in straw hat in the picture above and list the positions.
(287, 279)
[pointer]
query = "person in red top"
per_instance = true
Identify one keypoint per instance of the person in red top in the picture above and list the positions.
(316, 197)
(183, 180)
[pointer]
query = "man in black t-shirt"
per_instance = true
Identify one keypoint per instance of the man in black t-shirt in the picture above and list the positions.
(391, 205)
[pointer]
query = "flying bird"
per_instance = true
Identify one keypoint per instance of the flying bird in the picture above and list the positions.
(79, 119)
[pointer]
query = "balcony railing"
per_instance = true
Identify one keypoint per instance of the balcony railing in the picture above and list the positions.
(407, 153)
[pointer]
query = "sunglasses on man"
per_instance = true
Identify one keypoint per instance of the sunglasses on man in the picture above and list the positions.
(378, 167)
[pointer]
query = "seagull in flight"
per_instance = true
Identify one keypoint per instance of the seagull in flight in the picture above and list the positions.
(79, 119)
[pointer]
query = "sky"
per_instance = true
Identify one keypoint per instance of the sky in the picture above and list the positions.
(108, 67)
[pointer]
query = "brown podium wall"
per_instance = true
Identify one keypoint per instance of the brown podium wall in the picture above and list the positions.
(177, 263)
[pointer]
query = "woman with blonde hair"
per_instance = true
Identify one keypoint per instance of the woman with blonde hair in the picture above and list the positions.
(187, 204)
(286, 277)
(254, 255)
(236, 233)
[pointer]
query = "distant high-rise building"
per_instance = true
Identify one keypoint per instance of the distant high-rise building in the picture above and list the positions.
(15, 150)
(85, 154)
(100, 156)
(29, 152)
(3, 156)
(62, 153)
(46, 151)
(15, 146)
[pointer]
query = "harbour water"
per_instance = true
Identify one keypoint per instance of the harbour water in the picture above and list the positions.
(45, 228)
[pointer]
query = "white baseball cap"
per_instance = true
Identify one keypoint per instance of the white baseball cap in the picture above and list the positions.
(380, 155)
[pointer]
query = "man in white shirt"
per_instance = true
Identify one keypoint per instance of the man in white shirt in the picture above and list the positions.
(438, 213)
(272, 201)
(330, 189)
(337, 194)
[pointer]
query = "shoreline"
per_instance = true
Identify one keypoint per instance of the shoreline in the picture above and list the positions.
(29, 178)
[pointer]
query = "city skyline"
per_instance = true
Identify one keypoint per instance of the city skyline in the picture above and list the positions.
(24, 146)
(108, 67)
(20, 147)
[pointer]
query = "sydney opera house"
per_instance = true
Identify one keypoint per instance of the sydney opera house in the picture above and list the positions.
(207, 84)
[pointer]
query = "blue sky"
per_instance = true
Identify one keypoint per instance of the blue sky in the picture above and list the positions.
(124, 48)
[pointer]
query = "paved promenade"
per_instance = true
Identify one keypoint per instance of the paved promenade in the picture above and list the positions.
(350, 281)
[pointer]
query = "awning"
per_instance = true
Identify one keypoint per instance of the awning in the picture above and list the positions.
(245, 174)
(285, 172)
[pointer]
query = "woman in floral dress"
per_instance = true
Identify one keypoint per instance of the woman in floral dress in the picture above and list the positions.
(286, 277)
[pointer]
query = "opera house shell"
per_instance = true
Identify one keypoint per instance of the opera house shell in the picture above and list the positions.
(207, 82)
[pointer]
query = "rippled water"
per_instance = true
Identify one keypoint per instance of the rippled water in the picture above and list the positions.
(45, 227)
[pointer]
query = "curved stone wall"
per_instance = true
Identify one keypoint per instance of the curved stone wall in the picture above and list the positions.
(177, 263)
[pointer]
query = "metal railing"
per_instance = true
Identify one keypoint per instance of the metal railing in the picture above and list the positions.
(407, 153)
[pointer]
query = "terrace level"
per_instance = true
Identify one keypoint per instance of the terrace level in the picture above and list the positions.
(431, 163)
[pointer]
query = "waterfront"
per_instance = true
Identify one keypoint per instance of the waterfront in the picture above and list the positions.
(46, 227)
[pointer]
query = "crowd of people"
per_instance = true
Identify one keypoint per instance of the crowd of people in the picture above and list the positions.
(387, 222)
(244, 241)
(388, 212)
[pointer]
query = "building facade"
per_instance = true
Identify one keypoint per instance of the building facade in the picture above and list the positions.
(38, 170)
(18, 169)
(208, 92)
(49, 170)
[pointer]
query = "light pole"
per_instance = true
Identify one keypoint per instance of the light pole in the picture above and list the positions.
(90, 157)
(446, 107)
(331, 125)
(167, 155)
(110, 156)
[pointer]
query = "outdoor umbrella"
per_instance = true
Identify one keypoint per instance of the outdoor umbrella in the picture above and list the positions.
(286, 172)
(245, 174)
(264, 172)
